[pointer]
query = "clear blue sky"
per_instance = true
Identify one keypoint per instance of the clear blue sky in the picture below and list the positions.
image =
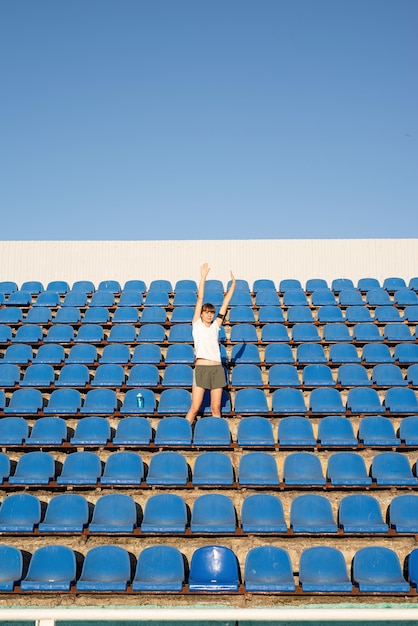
(208, 119)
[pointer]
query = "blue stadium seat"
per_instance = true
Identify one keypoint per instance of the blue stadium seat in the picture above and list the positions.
(254, 431)
(33, 286)
(146, 353)
(317, 375)
(358, 314)
(133, 431)
(326, 400)
(267, 297)
(48, 431)
(262, 513)
(25, 402)
(13, 431)
(366, 284)
(338, 284)
(395, 332)
(109, 285)
(8, 286)
(182, 315)
(60, 286)
(38, 315)
(273, 332)
(376, 353)
(156, 298)
(19, 298)
(20, 354)
(167, 468)
(307, 353)
(179, 353)
(242, 333)
(115, 353)
(307, 333)
(413, 283)
(270, 314)
(213, 513)
(240, 297)
(86, 354)
(214, 296)
(60, 333)
(123, 468)
(360, 513)
(378, 297)
(401, 400)
(94, 315)
(258, 468)
(268, 569)
(410, 314)
(63, 401)
(343, 353)
(246, 375)
(75, 299)
(405, 353)
(143, 375)
(376, 430)
(114, 513)
(159, 569)
(161, 284)
(28, 334)
(173, 431)
(130, 402)
(122, 333)
(51, 568)
(323, 569)
(131, 298)
(278, 353)
(174, 401)
(212, 431)
(178, 375)
(11, 315)
(294, 297)
(393, 283)
(91, 431)
(263, 284)
(9, 375)
(363, 400)
(164, 513)
(152, 333)
(377, 570)
(135, 285)
(213, 468)
(387, 313)
(53, 354)
(105, 568)
(11, 567)
(102, 298)
(347, 468)
(392, 468)
(323, 297)
(185, 284)
(80, 468)
(90, 333)
(39, 375)
(154, 315)
(403, 514)
(288, 400)
(336, 431)
(85, 286)
(65, 513)
(408, 431)
(100, 401)
(287, 284)
(312, 284)
(214, 569)
(388, 375)
(109, 375)
(243, 353)
(241, 314)
(125, 315)
(250, 400)
(20, 513)
(283, 375)
(330, 314)
(299, 314)
(353, 375)
(350, 297)
(296, 432)
(364, 332)
(303, 468)
(312, 513)
(4, 467)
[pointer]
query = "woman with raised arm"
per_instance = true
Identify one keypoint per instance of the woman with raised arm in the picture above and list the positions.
(209, 373)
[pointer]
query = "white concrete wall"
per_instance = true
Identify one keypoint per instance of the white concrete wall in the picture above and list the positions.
(174, 260)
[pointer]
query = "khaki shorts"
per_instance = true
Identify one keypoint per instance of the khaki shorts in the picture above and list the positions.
(209, 376)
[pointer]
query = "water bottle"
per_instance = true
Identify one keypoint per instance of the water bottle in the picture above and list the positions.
(140, 400)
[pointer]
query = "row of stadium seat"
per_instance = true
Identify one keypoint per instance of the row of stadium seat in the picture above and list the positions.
(177, 401)
(292, 432)
(167, 513)
(213, 468)
(161, 568)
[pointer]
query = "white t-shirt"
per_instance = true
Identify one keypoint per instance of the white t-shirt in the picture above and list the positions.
(205, 339)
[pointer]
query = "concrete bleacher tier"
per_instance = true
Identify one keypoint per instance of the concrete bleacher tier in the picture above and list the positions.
(306, 485)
